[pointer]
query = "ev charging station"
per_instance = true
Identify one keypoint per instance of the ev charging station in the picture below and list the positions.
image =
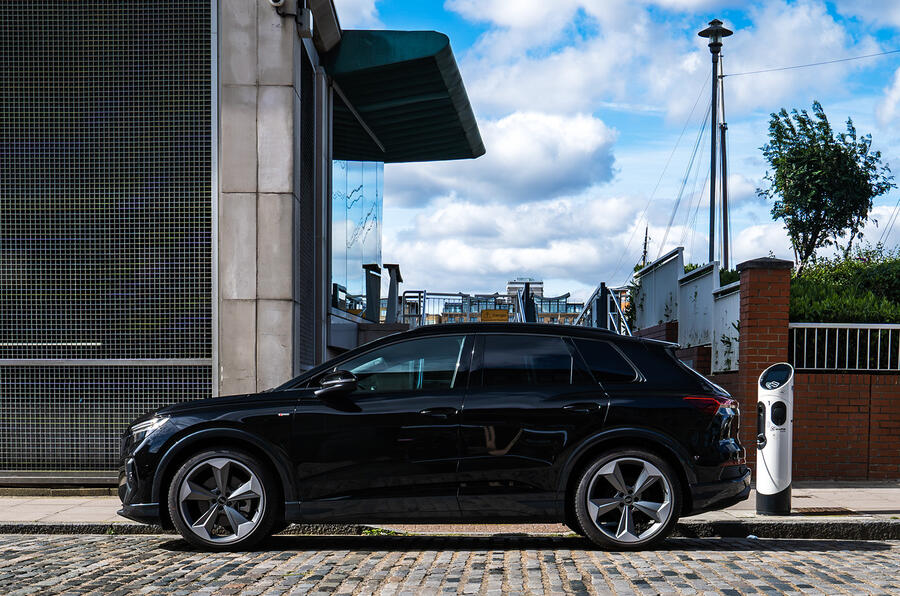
(774, 440)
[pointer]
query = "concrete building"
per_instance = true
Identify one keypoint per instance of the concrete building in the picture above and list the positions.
(166, 202)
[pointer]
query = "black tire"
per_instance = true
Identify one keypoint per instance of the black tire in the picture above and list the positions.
(235, 523)
(627, 519)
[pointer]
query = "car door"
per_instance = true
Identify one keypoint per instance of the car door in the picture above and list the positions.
(529, 399)
(390, 449)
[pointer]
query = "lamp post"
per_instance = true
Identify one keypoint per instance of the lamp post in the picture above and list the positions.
(715, 33)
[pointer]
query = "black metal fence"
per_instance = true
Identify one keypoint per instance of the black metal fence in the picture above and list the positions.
(105, 222)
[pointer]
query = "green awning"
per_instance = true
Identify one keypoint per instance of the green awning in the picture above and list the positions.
(406, 88)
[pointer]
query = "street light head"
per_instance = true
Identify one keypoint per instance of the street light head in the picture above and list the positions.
(715, 32)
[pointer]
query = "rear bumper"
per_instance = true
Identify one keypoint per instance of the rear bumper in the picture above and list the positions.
(145, 513)
(721, 494)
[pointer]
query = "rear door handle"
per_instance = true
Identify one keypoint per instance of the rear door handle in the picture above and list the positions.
(583, 407)
(442, 413)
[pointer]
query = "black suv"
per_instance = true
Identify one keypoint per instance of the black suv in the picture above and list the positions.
(612, 435)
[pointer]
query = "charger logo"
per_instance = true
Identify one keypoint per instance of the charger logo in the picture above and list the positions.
(773, 385)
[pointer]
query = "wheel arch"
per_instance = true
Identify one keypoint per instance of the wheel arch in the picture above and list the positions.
(231, 438)
(624, 438)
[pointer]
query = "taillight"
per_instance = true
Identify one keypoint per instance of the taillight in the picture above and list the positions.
(711, 404)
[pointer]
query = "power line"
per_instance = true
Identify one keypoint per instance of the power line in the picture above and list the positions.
(655, 188)
(684, 182)
(750, 72)
(891, 220)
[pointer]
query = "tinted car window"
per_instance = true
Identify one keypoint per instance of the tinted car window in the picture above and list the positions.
(661, 368)
(529, 360)
(604, 361)
(422, 364)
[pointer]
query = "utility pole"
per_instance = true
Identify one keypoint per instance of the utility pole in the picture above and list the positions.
(715, 32)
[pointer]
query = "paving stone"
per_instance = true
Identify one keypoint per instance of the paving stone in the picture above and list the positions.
(407, 565)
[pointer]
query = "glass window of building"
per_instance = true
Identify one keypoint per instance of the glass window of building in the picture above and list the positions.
(356, 211)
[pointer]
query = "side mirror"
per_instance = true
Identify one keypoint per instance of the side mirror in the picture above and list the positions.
(337, 383)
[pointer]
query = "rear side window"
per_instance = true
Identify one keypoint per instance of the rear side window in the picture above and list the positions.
(529, 360)
(661, 368)
(606, 363)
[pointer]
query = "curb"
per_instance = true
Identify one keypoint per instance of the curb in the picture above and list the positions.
(819, 529)
(126, 528)
(812, 529)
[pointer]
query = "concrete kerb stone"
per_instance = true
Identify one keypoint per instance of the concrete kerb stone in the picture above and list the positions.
(807, 529)
(819, 529)
(125, 528)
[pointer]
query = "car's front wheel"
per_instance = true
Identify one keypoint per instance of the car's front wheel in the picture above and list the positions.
(628, 499)
(223, 499)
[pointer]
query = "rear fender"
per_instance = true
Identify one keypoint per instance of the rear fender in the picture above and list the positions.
(620, 437)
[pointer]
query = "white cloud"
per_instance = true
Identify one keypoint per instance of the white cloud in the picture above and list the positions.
(537, 58)
(885, 13)
(358, 14)
(781, 35)
(887, 109)
(574, 239)
(546, 200)
(530, 156)
(756, 241)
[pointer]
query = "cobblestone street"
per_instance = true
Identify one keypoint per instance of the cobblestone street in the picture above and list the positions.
(429, 565)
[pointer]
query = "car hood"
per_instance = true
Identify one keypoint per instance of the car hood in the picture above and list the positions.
(186, 407)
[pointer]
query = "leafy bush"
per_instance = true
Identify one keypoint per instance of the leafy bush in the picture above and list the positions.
(864, 288)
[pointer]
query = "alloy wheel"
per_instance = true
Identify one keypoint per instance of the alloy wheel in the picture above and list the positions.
(221, 500)
(629, 500)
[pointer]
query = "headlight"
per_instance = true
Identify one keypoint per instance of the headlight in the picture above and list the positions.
(142, 430)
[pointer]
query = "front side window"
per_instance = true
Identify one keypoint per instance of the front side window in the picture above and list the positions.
(529, 360)
(429, 363)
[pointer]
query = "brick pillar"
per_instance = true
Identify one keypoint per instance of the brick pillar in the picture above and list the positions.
(765, 295)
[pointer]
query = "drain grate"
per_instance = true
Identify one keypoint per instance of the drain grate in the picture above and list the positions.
(824, 511)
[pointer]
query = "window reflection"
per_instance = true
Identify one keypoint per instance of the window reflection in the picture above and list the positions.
(356, 210)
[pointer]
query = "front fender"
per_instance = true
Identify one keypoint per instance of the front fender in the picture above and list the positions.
(273, 453)
(619, 436)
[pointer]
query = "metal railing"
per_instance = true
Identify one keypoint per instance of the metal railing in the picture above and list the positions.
(594, 315)
(844, 346)
(420, 307)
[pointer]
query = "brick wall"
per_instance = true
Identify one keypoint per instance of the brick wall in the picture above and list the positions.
(664, 331)
(884, 427)
(846, 425)
(698, 357)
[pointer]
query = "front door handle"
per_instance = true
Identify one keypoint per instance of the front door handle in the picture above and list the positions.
(583, 407)
(442, 413)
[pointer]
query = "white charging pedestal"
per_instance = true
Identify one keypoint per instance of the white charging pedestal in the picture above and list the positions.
(774, 440)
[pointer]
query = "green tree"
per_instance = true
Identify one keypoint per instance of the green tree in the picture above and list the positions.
(822, 183)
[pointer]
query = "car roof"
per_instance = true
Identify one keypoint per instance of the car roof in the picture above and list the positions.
(529, 328)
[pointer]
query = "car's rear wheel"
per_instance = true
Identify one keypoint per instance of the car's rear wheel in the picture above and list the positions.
(628, 499)
(223, 499)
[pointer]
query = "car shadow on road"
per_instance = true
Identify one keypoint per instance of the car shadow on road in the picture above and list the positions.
(512, 542)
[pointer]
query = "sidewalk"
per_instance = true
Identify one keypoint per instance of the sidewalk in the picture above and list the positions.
(819, 511)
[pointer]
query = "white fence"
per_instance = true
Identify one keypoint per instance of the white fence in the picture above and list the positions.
(726, 327)
(707, 314)
(844, 346)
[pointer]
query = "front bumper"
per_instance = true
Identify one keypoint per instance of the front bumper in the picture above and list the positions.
(145, 513)
(708, 496)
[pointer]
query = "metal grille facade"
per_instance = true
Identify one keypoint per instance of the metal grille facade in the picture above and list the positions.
(105, 222)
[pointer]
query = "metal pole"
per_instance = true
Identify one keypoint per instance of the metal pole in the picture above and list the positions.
(714, 49)
(723, 127)
(603, 315)
(715, 33)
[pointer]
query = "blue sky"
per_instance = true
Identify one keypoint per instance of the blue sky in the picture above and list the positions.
(581, 104)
